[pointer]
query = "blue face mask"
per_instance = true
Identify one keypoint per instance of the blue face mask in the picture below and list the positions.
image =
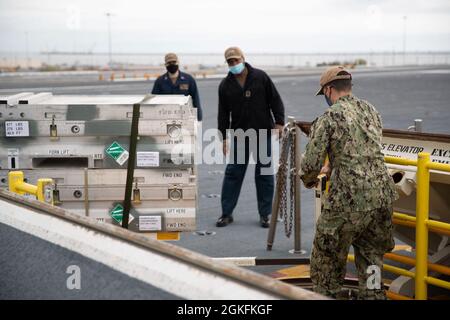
(237, 69)
(328, 100)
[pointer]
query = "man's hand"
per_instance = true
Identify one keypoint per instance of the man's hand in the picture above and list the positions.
(326, 170)
(280, 128)
(225, 147)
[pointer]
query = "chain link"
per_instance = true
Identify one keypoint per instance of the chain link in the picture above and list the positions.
(287, 171)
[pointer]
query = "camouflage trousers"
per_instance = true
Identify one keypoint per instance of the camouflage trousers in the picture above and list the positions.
(370, 234)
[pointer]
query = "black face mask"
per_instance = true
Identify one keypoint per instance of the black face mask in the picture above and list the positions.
(172, 68)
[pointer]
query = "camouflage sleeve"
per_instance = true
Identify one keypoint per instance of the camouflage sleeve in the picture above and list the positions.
(376, 116)
(379, 121)
(316, 150)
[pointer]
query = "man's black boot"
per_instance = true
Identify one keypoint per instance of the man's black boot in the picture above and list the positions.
(224, 221)
(264, 221)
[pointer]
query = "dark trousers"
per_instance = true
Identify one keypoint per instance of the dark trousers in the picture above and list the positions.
(234, 176)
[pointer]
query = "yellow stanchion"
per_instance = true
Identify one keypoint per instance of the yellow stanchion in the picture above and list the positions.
(422, 224)
(422, 207)
(41, 191)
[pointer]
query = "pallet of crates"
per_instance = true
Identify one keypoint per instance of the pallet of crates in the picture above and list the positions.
(82, 143)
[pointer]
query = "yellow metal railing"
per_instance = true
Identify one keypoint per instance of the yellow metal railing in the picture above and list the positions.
(41, 191)
(422, 224)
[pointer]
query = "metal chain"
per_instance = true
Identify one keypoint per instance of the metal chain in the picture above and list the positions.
(292, 183)
(287, 161)
(282, 174)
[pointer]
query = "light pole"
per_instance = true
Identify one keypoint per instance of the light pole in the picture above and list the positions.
(27, 58)
(108, 15)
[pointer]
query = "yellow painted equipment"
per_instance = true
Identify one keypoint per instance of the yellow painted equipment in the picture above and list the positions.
(43, 191)
(422, 222)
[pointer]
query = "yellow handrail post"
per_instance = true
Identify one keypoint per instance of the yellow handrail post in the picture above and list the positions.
(14, 178)
(422, 208)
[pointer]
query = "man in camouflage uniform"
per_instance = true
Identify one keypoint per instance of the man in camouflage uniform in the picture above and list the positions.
(358, 207)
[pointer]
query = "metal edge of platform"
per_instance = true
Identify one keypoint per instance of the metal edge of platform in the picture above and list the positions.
(245, 277)
(403, 134)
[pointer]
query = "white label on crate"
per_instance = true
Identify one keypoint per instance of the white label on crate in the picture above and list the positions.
(150, 223)
(13, 152)
(123, 157)
(178, 225)
(178, 210)
(17, 129)
(147, 159)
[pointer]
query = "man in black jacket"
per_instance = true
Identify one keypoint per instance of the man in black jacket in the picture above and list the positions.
(248, 100)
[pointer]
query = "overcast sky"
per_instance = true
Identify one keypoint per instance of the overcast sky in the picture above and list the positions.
(212, 25)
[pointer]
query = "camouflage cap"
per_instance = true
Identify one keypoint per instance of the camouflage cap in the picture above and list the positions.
(170, 57)
(331, 74)
(233, 53)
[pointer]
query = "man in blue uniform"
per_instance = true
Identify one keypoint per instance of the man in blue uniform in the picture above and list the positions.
(177, 82)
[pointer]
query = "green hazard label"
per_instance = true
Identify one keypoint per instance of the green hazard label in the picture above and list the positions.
(117, 152)
(117, 214)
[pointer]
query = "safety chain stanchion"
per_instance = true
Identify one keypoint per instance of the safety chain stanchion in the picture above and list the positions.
(280, 187)
(286, 204)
